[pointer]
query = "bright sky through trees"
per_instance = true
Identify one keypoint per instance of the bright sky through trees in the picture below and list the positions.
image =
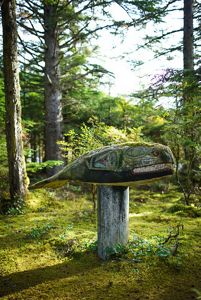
(118, 54)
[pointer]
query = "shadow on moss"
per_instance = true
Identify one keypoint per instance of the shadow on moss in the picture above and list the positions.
(20, 281)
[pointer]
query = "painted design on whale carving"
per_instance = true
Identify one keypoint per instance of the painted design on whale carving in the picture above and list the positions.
(106, 161)
(122, 165)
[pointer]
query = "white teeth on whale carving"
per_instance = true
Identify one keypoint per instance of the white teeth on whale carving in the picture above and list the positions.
(151, 168)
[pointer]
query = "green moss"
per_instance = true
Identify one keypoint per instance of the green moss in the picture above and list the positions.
(61, 263)
(185, 210)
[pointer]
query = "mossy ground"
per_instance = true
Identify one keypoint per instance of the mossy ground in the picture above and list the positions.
(46, 252)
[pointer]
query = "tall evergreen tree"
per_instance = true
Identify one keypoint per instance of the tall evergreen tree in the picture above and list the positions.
(53, 93)
(17, 171)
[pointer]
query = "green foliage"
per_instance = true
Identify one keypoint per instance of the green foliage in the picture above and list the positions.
(34, 167)
(90, 245)
(182, 127)
(118, 112)
(14, 211)
(39, 231)
(138, 249)
(63, 236)
(183, 132)
(117, 251)
(95, 136)
(14, 207)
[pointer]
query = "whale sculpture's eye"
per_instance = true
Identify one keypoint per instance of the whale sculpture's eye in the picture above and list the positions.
(155, 152)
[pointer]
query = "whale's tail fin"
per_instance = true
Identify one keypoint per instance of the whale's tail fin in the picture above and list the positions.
(50, 182)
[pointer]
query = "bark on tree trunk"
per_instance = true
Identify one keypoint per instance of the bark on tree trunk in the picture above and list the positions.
(53, 95)
(113, 214)
(188, 36)
(16, 162)
(188, 66)
(188, 61)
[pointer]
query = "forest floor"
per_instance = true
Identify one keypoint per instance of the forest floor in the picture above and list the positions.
(48, 252)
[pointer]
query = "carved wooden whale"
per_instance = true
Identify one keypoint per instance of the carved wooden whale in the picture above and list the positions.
(121, 165)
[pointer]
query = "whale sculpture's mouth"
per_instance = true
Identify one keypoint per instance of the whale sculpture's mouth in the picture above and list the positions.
(153, 168)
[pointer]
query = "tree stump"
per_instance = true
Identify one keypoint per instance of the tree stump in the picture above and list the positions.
(113, 215)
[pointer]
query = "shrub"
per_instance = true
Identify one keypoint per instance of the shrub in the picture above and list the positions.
(93, 136)
(38, 232)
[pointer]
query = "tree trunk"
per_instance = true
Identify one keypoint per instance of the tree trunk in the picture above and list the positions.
(188, 36)
(190, 89)
(113, 209)
(188, 69)
(53, 95)
(16, 162)
(188, 61)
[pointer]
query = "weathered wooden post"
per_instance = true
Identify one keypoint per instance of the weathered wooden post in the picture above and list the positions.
(113, 209)
(114, 169)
